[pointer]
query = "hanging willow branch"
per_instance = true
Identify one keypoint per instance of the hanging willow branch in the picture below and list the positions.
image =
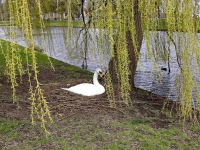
(20, 20)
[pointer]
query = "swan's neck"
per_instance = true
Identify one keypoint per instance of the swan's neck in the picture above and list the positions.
(95, 81)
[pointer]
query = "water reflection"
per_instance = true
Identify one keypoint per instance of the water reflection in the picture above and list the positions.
(86, 52)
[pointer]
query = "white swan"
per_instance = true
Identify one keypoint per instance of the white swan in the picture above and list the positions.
(87, 89)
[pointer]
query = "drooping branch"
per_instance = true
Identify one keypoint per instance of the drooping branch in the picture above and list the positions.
(168, 57)
(82, 12)
(176, 49)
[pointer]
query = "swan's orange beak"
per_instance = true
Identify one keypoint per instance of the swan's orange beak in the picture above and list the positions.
(100, 74)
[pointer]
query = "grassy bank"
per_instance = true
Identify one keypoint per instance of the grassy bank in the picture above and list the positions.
(43, 62)
(4, 23)
(154, 24)
(63, 23)
(87, 122)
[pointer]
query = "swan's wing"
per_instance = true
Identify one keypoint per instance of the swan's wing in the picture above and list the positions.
(83, 89)
(86, 89)
(65, 88)
(78, 87)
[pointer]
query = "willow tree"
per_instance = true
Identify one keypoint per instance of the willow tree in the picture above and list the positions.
(126, 24)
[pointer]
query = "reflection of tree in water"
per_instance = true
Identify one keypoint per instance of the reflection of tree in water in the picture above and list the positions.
(88, 45)
(162, 43)
(168, 48)
(166, 54)
(84, 63)
(164, 86)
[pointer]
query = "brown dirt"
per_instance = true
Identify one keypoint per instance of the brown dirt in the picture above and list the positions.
(69, 104)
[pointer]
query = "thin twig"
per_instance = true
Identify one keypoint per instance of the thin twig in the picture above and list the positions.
(67, 116)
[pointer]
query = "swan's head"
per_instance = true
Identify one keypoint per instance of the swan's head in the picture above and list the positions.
(98, 70)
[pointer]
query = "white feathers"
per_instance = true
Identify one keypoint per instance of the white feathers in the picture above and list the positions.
(87, 89)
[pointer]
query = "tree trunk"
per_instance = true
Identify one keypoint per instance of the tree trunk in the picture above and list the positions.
(131, 49)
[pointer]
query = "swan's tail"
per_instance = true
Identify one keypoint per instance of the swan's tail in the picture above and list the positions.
(64, 88)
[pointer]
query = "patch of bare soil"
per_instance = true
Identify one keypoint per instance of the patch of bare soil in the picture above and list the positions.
(64, 104)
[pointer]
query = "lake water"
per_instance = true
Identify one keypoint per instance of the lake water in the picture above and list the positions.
(74, 54)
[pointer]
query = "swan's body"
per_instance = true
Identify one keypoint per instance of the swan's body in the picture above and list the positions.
(88, 89)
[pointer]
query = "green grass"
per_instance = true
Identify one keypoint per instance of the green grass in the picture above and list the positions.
(82, 134)
(9, 129)
(8, 125)
(76, 23)
(63, 23)
(161, 24)
(3, 23)
(154, 24)
(158, 24)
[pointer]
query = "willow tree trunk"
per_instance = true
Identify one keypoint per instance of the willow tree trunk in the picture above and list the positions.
(131, 49)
